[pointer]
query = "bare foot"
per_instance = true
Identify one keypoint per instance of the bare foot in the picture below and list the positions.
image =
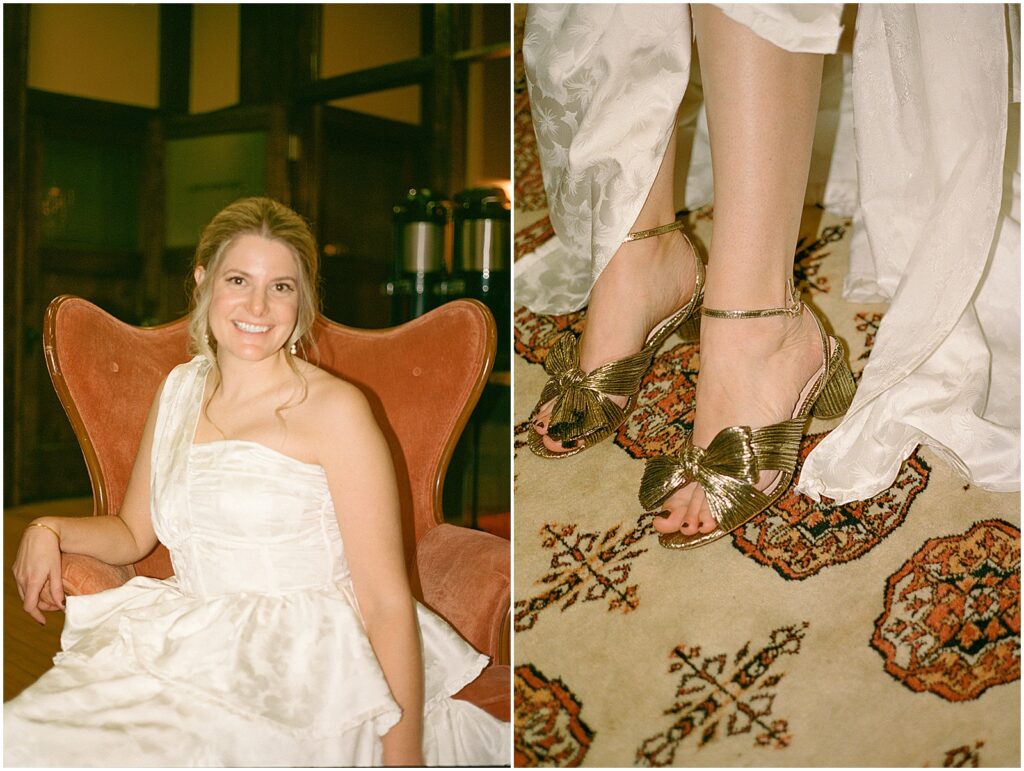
(752, 372)
(645, 282)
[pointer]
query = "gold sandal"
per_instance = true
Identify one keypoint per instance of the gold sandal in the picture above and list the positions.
(583, 410)
(732, 463)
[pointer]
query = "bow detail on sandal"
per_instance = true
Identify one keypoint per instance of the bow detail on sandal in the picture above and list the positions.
(733, 463)
(727, 470)
(582, 405)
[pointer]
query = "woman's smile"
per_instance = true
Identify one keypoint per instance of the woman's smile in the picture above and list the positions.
(252, 329)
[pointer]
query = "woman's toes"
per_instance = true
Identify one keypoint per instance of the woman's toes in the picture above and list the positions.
(698, 516)
(690, 523)
(669, 521)
(556, 446)
(706, 522)
(541, 418)
(675, 507)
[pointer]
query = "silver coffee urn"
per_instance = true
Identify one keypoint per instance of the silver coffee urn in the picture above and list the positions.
(418, 270)
(482, 256)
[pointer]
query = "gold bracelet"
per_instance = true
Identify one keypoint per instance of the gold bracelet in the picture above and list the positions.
(40, 524)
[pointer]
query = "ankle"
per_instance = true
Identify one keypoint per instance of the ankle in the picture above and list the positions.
(760, 338)
(663, 247)
(650, 265)
(646, 281)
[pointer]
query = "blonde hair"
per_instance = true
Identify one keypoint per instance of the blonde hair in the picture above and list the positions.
(269, 219)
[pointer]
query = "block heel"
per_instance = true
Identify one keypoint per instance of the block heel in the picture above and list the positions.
(689, 331)
(835, 397)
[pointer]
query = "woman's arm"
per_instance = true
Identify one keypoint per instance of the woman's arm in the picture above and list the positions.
(361, 477)
(119, 540)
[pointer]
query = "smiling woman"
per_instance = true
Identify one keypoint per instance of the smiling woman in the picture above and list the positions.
(256, 244)
(288, 634)
(254, 303)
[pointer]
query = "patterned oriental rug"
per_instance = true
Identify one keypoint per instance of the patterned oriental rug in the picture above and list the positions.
(879, 633)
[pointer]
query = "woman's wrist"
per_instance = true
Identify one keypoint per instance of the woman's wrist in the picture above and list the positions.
(50, 524)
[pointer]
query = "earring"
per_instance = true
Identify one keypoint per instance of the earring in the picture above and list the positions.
(294, 349)
(206, 337)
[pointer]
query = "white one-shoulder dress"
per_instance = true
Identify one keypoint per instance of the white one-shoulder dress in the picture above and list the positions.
(254, 652)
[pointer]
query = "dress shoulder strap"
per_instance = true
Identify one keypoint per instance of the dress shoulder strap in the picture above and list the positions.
(177, 413)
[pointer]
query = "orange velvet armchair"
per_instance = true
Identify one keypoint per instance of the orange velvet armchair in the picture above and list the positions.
(422, 379)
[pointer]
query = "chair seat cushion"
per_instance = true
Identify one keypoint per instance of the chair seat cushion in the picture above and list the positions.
(491, 691)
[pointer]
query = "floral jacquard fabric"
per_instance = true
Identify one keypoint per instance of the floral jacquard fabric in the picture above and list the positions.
(605, 82)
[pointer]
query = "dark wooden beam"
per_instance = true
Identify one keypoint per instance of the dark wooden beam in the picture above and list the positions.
(307, 170)
(404, 73)
(277, 181)
(484, 53)
(440, 100)
(271, 62)
(308, 63)
(151, 225)
(48, 104)
(15, 137)
(175, 57)
(446, 114)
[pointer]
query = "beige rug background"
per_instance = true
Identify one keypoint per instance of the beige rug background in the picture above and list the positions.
(882, 633)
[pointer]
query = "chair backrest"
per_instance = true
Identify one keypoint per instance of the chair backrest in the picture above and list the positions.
(422, 379)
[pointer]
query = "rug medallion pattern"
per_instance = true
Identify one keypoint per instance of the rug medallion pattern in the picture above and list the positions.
(799, 538)
(548, 728)
(951, 623)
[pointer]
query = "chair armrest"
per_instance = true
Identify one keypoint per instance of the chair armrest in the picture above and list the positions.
(492, 691)
(465, 577)
(87, 575)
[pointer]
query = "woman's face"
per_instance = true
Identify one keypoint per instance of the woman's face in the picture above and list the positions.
(255, 299)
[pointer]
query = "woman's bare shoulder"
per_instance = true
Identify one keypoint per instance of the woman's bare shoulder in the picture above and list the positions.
(331, 396)
(337, 421)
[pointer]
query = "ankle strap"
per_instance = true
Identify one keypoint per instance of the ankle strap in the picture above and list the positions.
(793, 309)
(641, 234)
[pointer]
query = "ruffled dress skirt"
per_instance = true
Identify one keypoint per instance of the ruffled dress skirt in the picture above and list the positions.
(151, 677)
